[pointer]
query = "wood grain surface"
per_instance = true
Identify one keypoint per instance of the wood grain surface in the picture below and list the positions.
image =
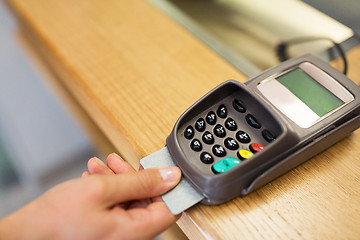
(135, 71)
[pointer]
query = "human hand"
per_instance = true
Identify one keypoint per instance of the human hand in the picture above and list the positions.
(116, 165)
(98, 206)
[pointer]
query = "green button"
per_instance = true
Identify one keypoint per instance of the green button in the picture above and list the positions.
(225, 164)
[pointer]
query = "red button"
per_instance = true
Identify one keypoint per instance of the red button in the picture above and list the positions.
(256, 147)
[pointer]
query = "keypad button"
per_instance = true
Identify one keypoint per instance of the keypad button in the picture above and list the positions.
(219, 131)
(200, 125)
(268, 136)
(225, 165)
(244, 154)
(219, 150)
(211, 118)
(252, 121)
(206, 158)
(243, 137)
(196, 145)
(189, 132)
(208, 137)
(231, 144)
(222, 111)
(256, 147)
(231, 124)
(239, 106)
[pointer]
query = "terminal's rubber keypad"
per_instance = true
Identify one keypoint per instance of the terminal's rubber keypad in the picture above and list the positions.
(225, 136)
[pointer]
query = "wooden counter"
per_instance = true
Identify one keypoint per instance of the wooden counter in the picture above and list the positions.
(135, 71)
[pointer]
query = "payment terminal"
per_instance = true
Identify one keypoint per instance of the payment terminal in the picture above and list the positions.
(240, 136)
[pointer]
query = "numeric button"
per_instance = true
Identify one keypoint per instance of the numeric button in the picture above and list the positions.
(243, 137)
(206, 158)
(196, 145)
(189, 132)
(231, 144)
(200, 125)
(219, 150)
(208, 138)
(211, 118)
(219, 131)
(231, 124)
(222, 111)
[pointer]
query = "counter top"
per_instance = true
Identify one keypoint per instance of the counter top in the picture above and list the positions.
(135, 71)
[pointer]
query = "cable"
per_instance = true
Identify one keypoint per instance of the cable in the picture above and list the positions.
(282, 53)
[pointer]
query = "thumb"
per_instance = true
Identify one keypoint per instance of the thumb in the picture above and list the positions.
(140, 185)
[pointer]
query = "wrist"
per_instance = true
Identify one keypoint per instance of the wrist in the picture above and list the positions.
(23, 224)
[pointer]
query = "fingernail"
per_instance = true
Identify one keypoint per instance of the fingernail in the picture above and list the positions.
(170, 174)
(98, 161)
(116, 155)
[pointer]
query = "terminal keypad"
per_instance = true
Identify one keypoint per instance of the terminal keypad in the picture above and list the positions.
(222, 130)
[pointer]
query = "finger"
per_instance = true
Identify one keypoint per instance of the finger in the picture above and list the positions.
(139, 203)
(96, 166)
(157, 199)
(140, 185)
(155, 219)
(118, 165)
(85, 174)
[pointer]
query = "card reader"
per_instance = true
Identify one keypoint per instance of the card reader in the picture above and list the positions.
(240, 136)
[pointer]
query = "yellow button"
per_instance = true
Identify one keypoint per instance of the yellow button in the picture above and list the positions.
(244, 154)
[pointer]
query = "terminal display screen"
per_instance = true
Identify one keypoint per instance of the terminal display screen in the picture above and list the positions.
(310, 92)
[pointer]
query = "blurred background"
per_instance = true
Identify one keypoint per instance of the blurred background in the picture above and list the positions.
(246, 33)
(45, 138)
